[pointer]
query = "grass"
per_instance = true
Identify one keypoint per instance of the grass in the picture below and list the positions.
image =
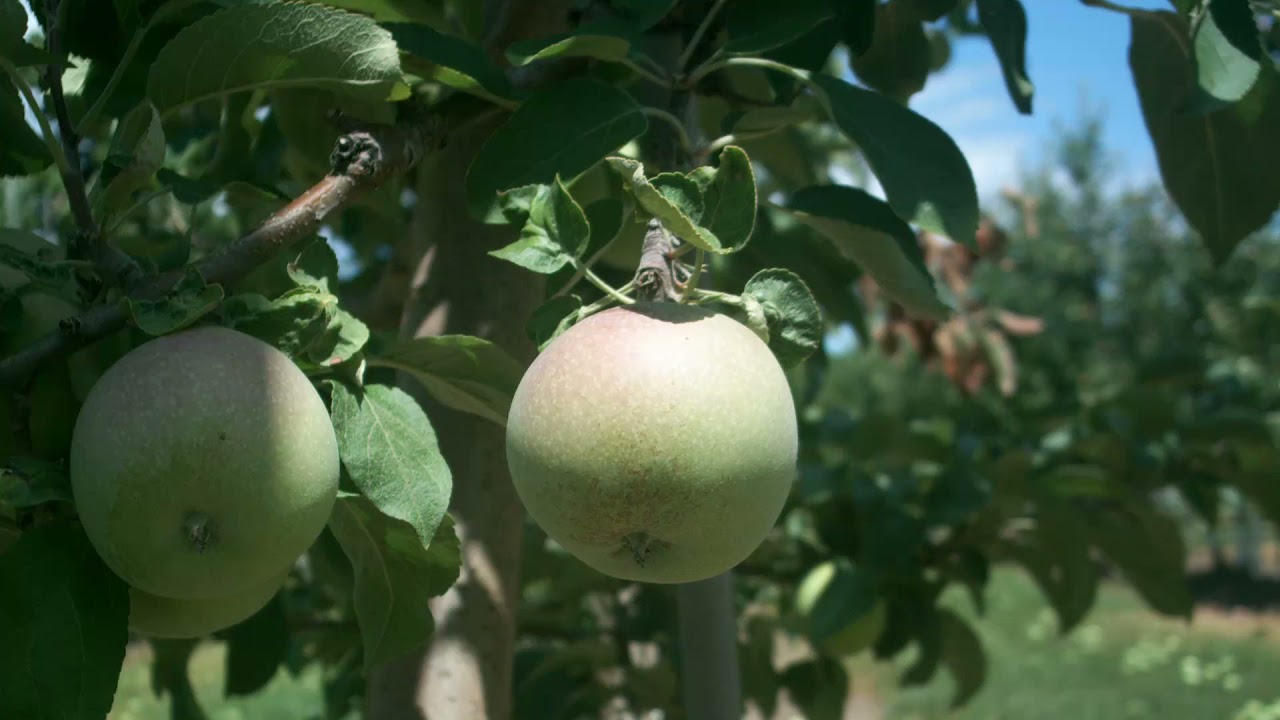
(1122, 663)
(284, 698)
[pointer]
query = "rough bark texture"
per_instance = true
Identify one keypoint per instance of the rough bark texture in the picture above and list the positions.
(458, 289)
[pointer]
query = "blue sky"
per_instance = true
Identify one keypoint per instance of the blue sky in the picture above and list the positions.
(1077, 56)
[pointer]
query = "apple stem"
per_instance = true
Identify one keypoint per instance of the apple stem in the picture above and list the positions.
(659, 275)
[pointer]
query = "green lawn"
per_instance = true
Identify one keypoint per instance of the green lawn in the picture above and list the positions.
(285, 698)
(1121, 664)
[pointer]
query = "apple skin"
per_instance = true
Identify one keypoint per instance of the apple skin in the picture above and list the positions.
(655, 442)
(203, 463)
(162, 617)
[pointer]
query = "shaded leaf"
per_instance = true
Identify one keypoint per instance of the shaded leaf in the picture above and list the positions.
(963, 656)
(27, 482)
(580, 44)
(1059, 563)
(452, 61)
(256, 649)
(315, 266)
(22, 152)
(552, 318)
(857, 22)
(190, 300)
(1148, 547)
(925, 176)
(555, 234)
(867, 231)
(251, 46)
(1216, 167)
(1006, 24)
(463, 372)
(63, 626)
(395, 576)
(672, 201)
(297, 323)
(758, 25)
(728, 197)
(561, 130)
(137, 152)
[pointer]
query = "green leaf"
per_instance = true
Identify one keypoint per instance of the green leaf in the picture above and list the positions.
(137, 152)
(451, 61)
(28, 482)
(867, 231)
(22, 152)
(425, 12)
(758, 25)
(820, 687)
(857, 22)
(256, 649)
(1216, 167)
(925, 176)
(768, 119)
(795, 321)
(187, 190)
(170, 676)
(297, 323)
(552, 318)
(315, 266)
(1148, 547)
(13, 27)
(190, 300)
(1006, 24)
(1059, 562)
(728, 198)
(64, 629)
(345, 336)
(963, 656)
(395, 576)
(1228, 54)
(601, 47)
(851, 594)
(460, 371)
(555, 234)
(644, 14)
(671, 202)
(389, 449)
(561, 130)
(249, 47)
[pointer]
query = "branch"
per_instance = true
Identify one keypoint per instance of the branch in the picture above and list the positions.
(362, 159)
(111, 262)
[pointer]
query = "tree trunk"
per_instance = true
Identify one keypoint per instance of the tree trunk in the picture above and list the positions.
(458, 289)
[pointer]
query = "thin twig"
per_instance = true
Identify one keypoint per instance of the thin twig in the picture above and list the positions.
(647, 74)
(697, 35)
(361, 160)
(605, 287)
(1116, 7)
(72, 177)
(90, 115)
(685, 143)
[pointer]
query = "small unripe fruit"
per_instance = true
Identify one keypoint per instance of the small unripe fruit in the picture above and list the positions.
(162, 617)
(655, 442)
(202, 464)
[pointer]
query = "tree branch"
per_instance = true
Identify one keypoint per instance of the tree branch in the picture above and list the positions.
(362, 159)
(112, 264)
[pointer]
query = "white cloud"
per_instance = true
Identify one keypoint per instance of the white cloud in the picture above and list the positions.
(978, 115)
